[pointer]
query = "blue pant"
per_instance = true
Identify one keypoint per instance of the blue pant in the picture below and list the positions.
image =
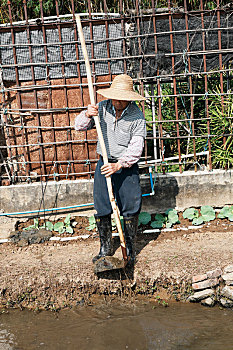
(126, 189)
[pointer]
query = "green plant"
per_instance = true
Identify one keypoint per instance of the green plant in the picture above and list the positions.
(226, 212)
(172, 218)
(65, 226)
(34, 226)
(164, 303)
(198, 221)
(207, 214)
(48, 225)
(97, 6)
(190, 213)
(68, 226)
(92, 223)
(220, 127)
(221, 123)
(144, 218)
(156, 224)
(159, 221)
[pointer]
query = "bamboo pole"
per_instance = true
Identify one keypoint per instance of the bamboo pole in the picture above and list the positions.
(101, 139)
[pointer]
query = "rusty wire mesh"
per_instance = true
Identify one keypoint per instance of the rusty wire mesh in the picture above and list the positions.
(181, 59)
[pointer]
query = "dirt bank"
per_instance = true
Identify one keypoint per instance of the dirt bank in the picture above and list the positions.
(54, 275)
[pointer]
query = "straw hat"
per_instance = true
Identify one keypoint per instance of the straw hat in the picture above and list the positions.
(121, 89)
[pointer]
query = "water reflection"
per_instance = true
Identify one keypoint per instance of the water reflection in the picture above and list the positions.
(115, 327)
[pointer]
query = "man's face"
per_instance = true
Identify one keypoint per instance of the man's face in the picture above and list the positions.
(120, 105)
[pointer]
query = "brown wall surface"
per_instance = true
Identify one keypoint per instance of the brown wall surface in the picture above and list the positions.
(75, 159)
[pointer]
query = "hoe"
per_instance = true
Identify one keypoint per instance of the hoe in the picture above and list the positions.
(108, 262)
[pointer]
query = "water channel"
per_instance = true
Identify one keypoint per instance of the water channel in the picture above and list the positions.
(138, 326)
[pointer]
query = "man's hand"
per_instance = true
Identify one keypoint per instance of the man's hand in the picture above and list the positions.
(92, 110)
(110, 168)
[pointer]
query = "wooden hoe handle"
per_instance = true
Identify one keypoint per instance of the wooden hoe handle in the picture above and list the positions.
(101, 139)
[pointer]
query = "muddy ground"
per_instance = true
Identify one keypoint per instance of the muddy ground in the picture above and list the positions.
(53, 275)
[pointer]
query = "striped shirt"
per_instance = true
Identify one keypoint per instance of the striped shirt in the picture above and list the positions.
(123, 137)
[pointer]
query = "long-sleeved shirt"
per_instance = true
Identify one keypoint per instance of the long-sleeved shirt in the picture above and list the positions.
(123, 137)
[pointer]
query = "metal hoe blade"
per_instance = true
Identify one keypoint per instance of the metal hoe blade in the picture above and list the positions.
(108, 263)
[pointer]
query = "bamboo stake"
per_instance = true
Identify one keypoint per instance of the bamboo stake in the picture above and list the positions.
(101, 139)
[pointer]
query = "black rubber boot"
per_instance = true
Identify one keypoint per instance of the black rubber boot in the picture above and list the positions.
(130, 231)
(104, 226)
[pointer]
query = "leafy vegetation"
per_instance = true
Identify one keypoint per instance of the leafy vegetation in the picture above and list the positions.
(190, 213)
(226, 212)
(205, 214)
(172, 218)
(198, 221)
(158, 222)
(144, 218)
(65, 226)
(60, 226)
(221, 123)
(34, 226)
(216, 131)
(65, 6)
(168, 219)
(92, 224)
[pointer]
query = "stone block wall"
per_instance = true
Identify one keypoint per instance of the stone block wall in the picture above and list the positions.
(213, 287)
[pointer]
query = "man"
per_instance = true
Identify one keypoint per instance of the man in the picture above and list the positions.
(124, 130)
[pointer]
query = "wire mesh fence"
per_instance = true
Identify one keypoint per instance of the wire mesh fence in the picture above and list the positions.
(180, 59)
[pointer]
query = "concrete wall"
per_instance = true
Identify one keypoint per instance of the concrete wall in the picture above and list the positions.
(173, 190)
(191, 189)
